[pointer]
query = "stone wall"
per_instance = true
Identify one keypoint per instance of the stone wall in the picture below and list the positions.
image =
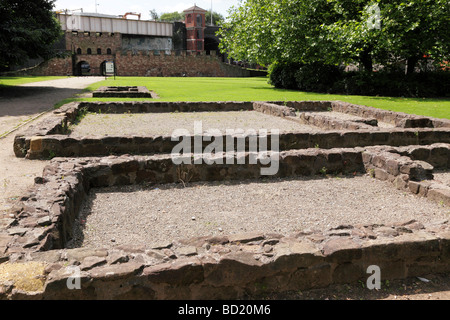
(146, 64)
(93, 41)
(160, 64)
(49, 138)
(330, 123)
(399, 119)
(225, 267)
(411, 168)
(230, 266)
(123, 92)
(57, 195)
(52, 67)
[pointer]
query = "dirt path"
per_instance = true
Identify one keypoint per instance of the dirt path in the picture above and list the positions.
(17, 107)
(24, 102)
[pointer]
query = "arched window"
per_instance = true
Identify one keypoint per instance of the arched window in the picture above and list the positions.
(89, 51)
(189, 18)
(99, 51)
(108, 51)
(79, 51)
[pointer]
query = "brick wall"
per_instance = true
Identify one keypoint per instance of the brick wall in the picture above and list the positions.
(160, 64)
(145, 64)
(52, 67)
(108, 47)
(93, 41)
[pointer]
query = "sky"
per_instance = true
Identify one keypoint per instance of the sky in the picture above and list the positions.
(120, 7)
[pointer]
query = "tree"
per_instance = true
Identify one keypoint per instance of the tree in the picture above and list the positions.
(154, 15)
(217, 18)
(337, 31)
(405, 31)
(28, 29)
(171, 17)
(177, 16)
(264, 31)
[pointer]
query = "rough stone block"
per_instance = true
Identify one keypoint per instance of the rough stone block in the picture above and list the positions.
(439, 195)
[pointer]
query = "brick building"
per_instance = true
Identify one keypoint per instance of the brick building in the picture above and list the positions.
(195, 28)
(138, 47)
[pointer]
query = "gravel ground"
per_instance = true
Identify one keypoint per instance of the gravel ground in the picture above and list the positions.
(442, 177)
(137, 215)
(166, 123)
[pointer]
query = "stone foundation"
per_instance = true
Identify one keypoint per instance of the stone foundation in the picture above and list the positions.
(123, 92)
(226, 267)
(49, 138)
(229, 266)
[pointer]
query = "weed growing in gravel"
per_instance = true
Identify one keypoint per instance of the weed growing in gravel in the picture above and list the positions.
(51, 154)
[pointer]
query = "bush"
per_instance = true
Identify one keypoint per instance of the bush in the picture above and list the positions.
(282, 74)
(317, 77)
(394, 84)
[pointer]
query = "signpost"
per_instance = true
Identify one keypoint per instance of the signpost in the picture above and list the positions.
(110, 69)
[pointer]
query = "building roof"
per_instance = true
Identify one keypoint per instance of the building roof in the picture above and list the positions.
(195, 8)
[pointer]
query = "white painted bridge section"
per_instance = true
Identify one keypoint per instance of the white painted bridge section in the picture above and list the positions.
(112, 24)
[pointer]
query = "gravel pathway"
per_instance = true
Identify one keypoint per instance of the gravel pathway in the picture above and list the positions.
(136, 215)
(24, 102)
(17, 109)
(166, 123)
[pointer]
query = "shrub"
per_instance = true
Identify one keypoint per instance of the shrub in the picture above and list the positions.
(323, 78)
(282, 74)
(317, 77)
(395, 84)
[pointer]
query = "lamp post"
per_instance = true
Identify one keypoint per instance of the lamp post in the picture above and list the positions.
(211, 14)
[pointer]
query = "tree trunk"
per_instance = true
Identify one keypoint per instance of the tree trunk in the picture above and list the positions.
(411, 64)
(366, 59)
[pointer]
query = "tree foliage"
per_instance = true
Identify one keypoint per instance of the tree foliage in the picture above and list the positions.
(217, 18)
(171, 16)
(154, 15)
(337, 31)
(28, 29)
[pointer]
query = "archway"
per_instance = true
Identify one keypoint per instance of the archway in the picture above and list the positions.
(82, 69)
(211, 44)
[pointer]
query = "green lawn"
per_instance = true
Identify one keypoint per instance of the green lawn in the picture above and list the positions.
(15, 81)
(244, 89)
(257, 89)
